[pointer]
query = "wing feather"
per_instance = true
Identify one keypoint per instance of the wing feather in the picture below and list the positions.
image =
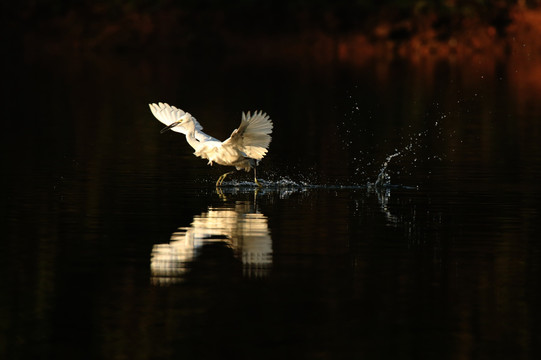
(168, 114)
(252, 137)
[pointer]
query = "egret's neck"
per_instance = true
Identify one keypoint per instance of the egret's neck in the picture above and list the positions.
(190, 135)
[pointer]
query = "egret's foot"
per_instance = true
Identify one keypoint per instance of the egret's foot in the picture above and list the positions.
(258, 183)
(221, 194)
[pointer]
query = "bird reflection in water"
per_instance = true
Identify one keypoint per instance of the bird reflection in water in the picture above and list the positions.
(237, 225)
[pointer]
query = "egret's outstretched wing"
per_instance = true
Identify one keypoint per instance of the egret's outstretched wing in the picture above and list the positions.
(253, 135)
(168, 115)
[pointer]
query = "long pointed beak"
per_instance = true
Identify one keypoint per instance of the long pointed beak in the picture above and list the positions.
(170, 126)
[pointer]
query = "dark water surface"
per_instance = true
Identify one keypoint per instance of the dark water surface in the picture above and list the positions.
(118, 246)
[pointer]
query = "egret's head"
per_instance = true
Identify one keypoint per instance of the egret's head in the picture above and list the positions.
(187, 117)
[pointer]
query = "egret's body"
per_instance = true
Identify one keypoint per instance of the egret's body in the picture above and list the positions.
(243, 149)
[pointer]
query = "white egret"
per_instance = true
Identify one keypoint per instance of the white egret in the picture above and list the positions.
(246, 146)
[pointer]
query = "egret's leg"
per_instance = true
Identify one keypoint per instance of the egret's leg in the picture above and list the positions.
(222, 178)
(218, 181)
(255, 179)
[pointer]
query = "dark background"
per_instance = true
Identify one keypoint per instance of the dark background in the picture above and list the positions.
(443, 264)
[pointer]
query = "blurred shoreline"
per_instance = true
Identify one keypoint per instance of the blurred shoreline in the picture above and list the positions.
(505, 46)
(216, 34)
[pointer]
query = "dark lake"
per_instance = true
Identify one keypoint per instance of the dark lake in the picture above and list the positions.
(117, 245)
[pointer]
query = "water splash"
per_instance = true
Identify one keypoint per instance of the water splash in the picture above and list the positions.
(415, 147)
(384, 178)
(283, 182)
(283, 187)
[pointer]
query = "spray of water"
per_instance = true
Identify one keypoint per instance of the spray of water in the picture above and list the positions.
(384, 178)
